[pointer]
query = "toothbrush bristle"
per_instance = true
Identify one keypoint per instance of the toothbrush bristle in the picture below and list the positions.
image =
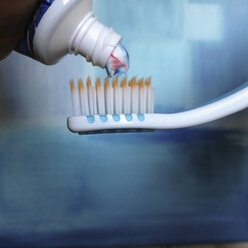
(80, 84)
(98, 83)
(133, 97)
(124, 82)
(115, 82)
(141, 83)
(132, 82)
(106, 83)
(72, 85)
(88, 82)
(148, 81)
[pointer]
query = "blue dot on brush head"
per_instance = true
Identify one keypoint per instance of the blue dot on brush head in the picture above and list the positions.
(129, 117)
(116, 118)
(141, 117)
(103, 118)
(91, 119)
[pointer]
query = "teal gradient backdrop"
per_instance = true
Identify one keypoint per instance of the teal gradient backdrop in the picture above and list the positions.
(180, 186)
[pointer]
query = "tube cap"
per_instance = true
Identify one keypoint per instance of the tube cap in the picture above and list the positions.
(94, 41)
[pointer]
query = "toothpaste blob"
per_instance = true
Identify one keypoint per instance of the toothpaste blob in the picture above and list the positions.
(118, 62)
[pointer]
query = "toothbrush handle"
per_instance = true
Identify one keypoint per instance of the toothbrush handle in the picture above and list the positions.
(231, 103)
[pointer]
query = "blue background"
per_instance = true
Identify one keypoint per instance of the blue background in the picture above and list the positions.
(180, 186)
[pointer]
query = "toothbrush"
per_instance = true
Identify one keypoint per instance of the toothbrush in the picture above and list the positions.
(130, 107)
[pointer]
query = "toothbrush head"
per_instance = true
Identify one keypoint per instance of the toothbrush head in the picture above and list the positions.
(107, 108)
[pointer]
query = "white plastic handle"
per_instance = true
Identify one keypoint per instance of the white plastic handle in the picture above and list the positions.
(226, 105)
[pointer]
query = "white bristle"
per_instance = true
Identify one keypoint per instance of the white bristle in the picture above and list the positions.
(83, 98)
(131, 98)
(109, 97)
(148, 96)
(75, 99)
(142, 97)
(100, 97)
(152, 101)
(126, 97)
(117, 97)
(149, 99)
(94, 101)
(90, 96)
(134, 96)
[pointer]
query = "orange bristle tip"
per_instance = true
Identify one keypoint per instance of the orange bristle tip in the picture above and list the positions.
(72, 85)
(98, 83)
(80, 84)
(115, 82)
(89, 82)
(124, 82)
